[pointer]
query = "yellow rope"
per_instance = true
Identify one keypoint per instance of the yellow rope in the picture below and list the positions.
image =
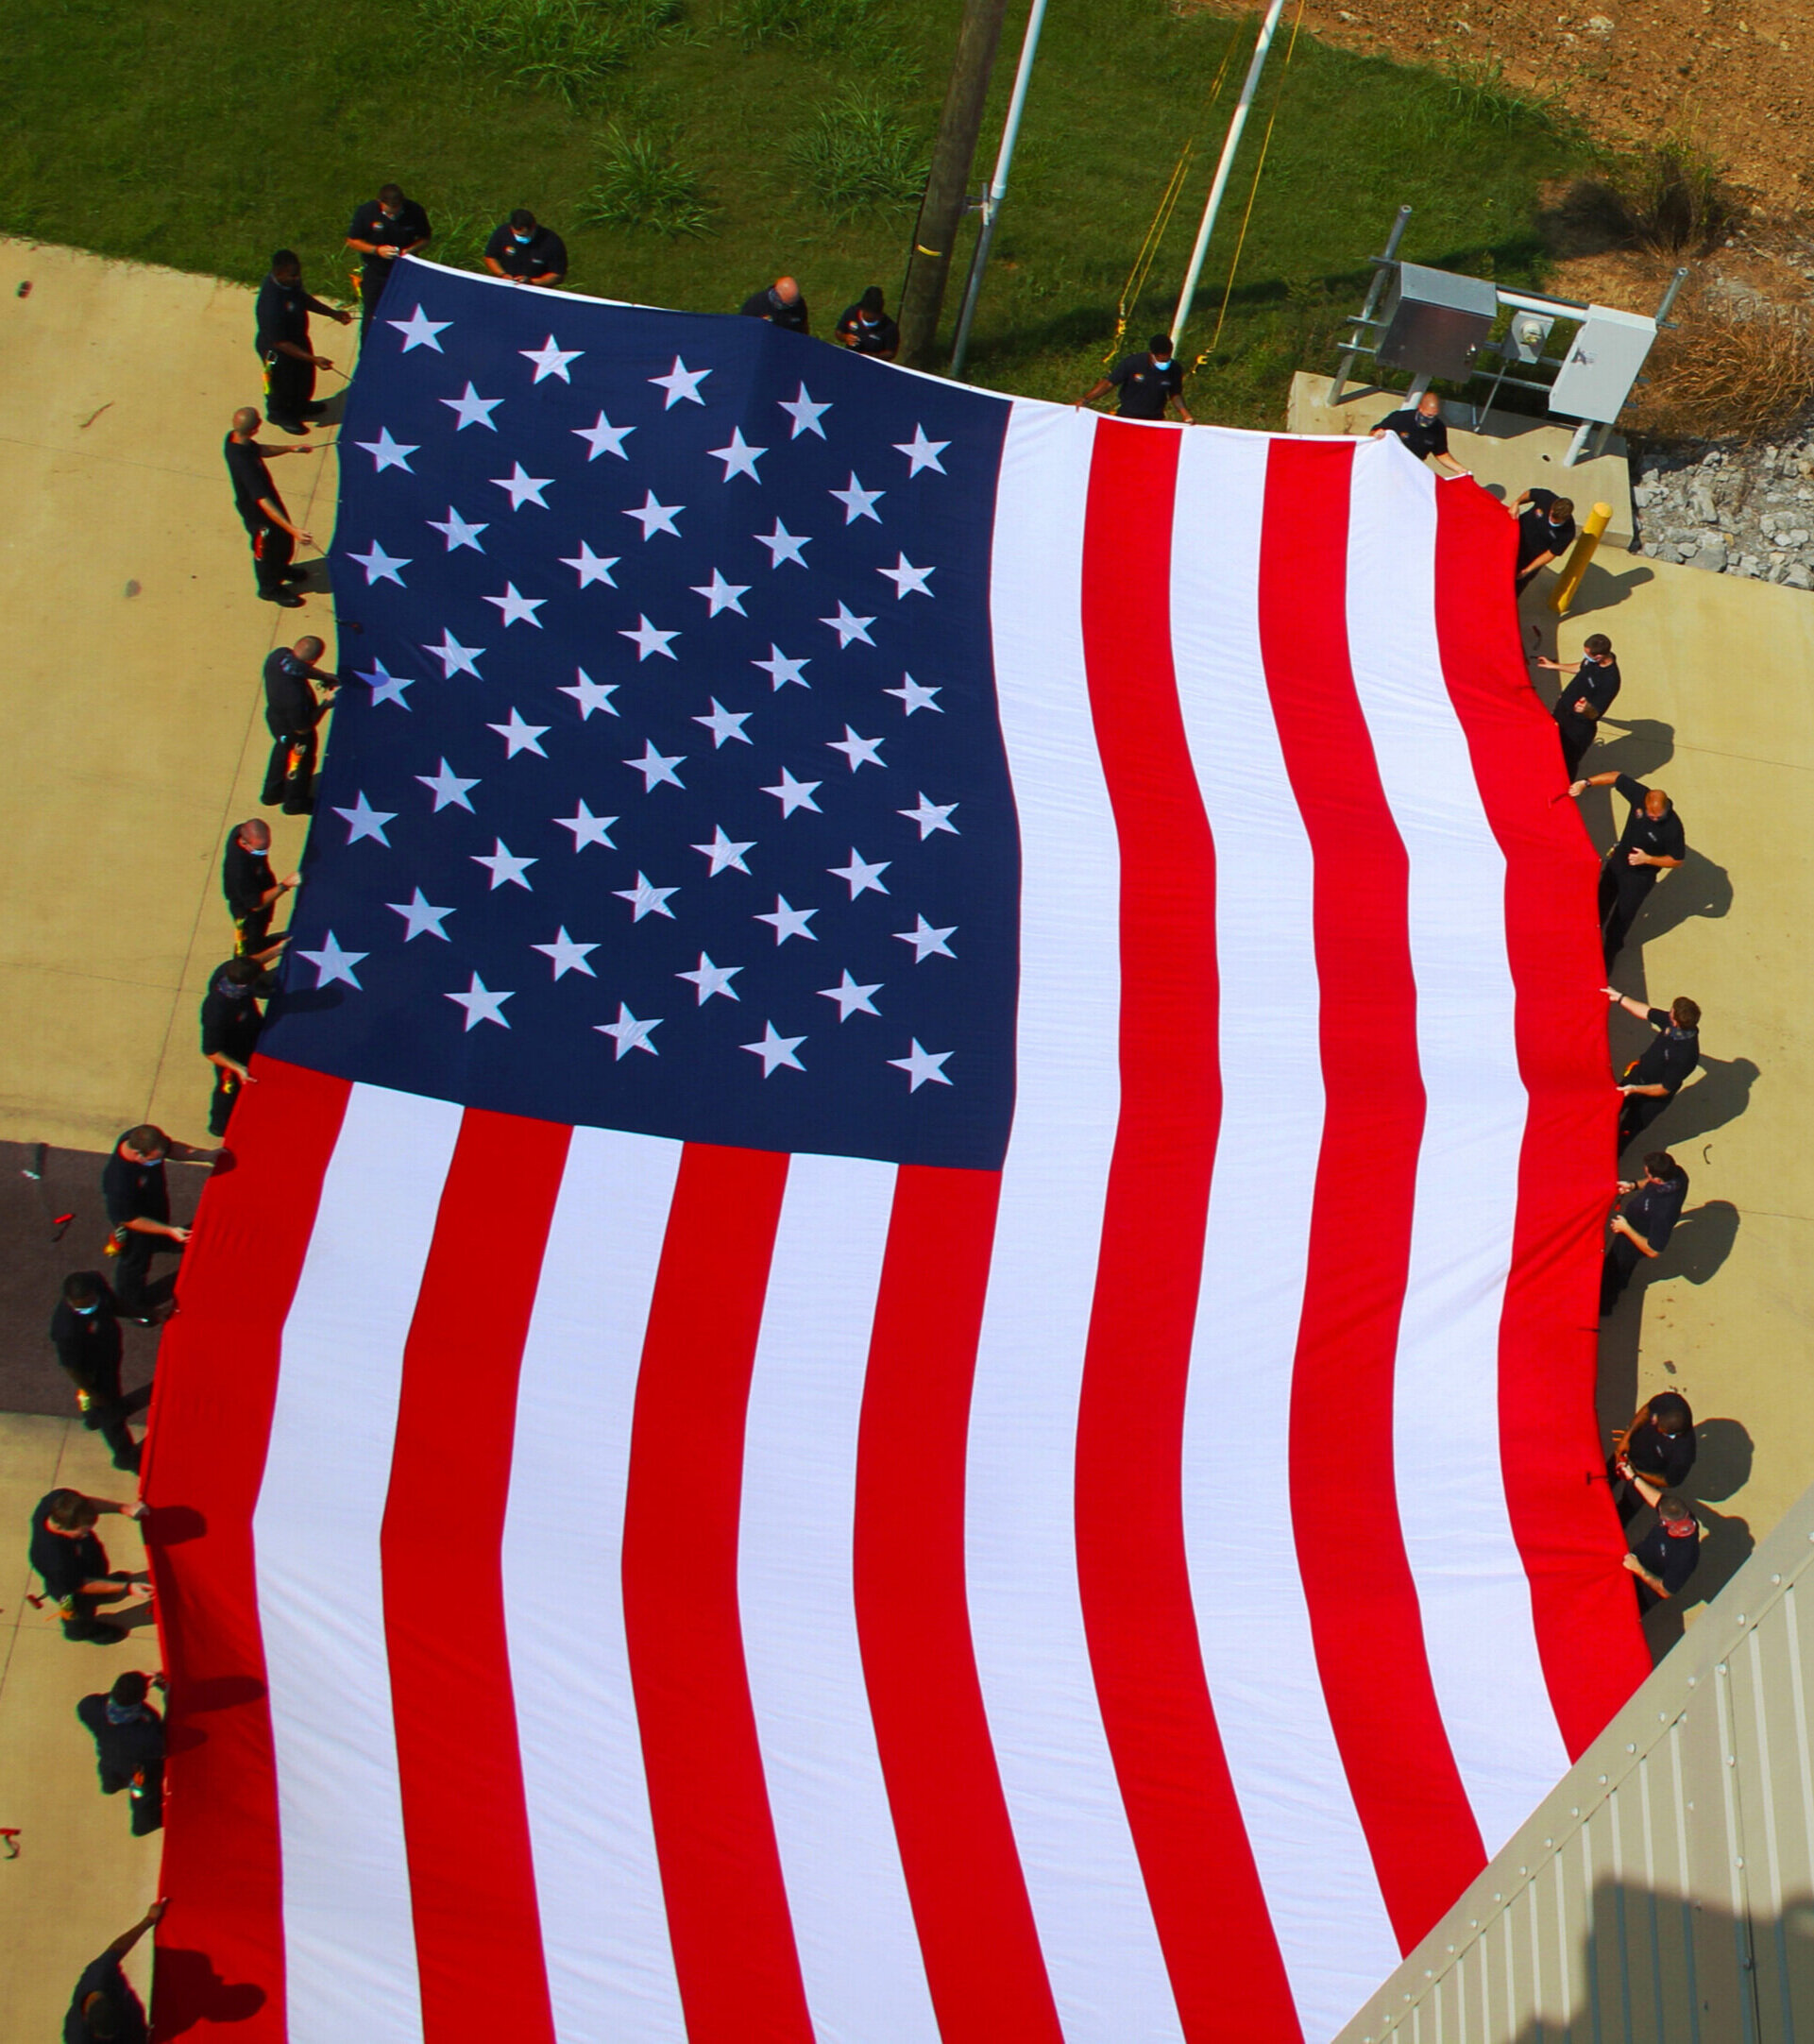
(1265, 143)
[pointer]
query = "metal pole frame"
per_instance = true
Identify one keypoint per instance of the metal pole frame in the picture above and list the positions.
(997, 188)
(1383, 264)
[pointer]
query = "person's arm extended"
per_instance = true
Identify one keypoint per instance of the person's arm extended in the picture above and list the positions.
(1622, 1226)
(1100, 389)
(127, 1939)
(231, 1064)
(1641, 1010)
(282, 524)
(270, 454)
(328, 311)
(498, 270)
(548, 277)
(143, 1225)
(1519, 502)
(1448, 462)
(186, 1153)
(1540, 560)
(1184, 409)
(1592, 780)
(272, 895)
(1644, 1576)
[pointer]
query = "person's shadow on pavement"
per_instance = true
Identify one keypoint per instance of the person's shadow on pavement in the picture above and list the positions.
(188, 1990)
(1719, 1094)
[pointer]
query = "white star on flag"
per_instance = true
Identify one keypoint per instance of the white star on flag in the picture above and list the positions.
(505, 866)
(566, 956)
(922, 453)
(656, 768)
(781, 670)
(470, 409)
(851, 999)
(914, 696)
(587, 828)
(723, 851)
(710, 979)
(379, 566)
(482, 1004)
(523, 488)
(456, 659)
(926, 942)
(421, 918)
(861, 877)
(650, 638)
(858, 751)
(726, 723)
(740, 458)
(789, 921)
(722, 595)
(857, 502)
(362, 821)
(458, 533)
(520, 737)
(775, 1050)
(848, 627)
(793, 794)
(782, 545)
(630, 1033)
(387, 687)
(931, 816)
(591, 695)
(418, 330)
(516, 609)
(907, 579)
(386, 452)
(551, 358)
(604, 439)
(591, 568)
(679, 382)
(330, 962)
(805, 414)
(645, 899)
(656, 517)
(448, 789)
(920, 1066)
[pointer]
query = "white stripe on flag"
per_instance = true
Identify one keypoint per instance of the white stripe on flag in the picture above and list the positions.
(349, 1936)
(1101, 1949)
(598, 1886)
(1335, 1936)
(859, 1952)
(1477, 1624)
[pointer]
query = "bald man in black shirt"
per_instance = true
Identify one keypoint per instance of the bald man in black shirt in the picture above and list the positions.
(1653, 842)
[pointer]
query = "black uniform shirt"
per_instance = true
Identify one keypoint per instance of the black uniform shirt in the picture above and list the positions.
(1423, 437)
(1652, 1211)
(230, 1021)
(88, 1344)
(290, 704)
(1146, 387)
(1669, 1556)
(65, 1561)
(1669, 1060)
(245, 876)
(124, 1749)
(251, 479)
(1666, 1459)
(867, 338)
(103, 1976)
(1535, 532)
(542, 253)
(1598, 683)
(283, 313)
(765, 305)
(1661, 836)
(372, 223)
(133, 1191)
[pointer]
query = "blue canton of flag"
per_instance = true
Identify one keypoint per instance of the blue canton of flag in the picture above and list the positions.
(670, 794)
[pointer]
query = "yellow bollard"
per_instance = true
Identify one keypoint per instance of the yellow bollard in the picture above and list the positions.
(1569, 582)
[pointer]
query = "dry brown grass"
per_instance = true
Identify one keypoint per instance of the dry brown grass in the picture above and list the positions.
(1739, 371)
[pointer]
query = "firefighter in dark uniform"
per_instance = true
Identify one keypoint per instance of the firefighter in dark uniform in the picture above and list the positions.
(85, 1332)
(1584, 700)
(1149, 384)
(1419, 427)
(252, 890)
(283, 347)
(72, 1563)
(1652, 842)
(128, 1746)
(261, 511)
(1642, 1227)
(525, 251)
(866, 329)
(230, 1021)
(135, 1195)
(292, 713)
(386, 227)
(1653, 1079)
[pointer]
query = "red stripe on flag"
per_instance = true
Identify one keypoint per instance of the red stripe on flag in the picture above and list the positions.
(465, 1823)
(977, 1936)
(721, 1868)
(1587, 1633)
(1201, 1878)
(210, 1425)
(1362, 1597)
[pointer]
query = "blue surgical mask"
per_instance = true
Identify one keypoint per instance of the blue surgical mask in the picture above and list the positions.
(1158, 365)
(85, 1311)
(521, 240)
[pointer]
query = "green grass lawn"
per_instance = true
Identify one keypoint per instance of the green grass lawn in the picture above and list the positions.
(203, 136)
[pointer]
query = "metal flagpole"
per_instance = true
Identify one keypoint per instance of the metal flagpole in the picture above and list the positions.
(997, 185)
(1181, 316)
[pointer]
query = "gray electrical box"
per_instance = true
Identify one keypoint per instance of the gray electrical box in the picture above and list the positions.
(1598, 370)
(1435, 324)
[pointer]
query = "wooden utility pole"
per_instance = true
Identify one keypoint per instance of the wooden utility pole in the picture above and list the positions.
(948, 185)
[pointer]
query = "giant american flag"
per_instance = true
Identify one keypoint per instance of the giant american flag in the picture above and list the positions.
(902, 1344)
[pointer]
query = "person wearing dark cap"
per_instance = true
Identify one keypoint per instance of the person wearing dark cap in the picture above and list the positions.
(1665, 1558)
(1420, 428)
(231, 1022)
(866, 327)
(1642, 1227)
(284, 345)
(1584, 700)
(292, 713)
(1652, 1081)
(383, 228)
(252, 890)
(780, 304)
(261, 511)
(104, 2010)
(1149, 384)
(128, 1747)
(72, 1562)
(523, 251)
(1652, 842)
(85, 1332)
(1546, 525)
(1654, 1453)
